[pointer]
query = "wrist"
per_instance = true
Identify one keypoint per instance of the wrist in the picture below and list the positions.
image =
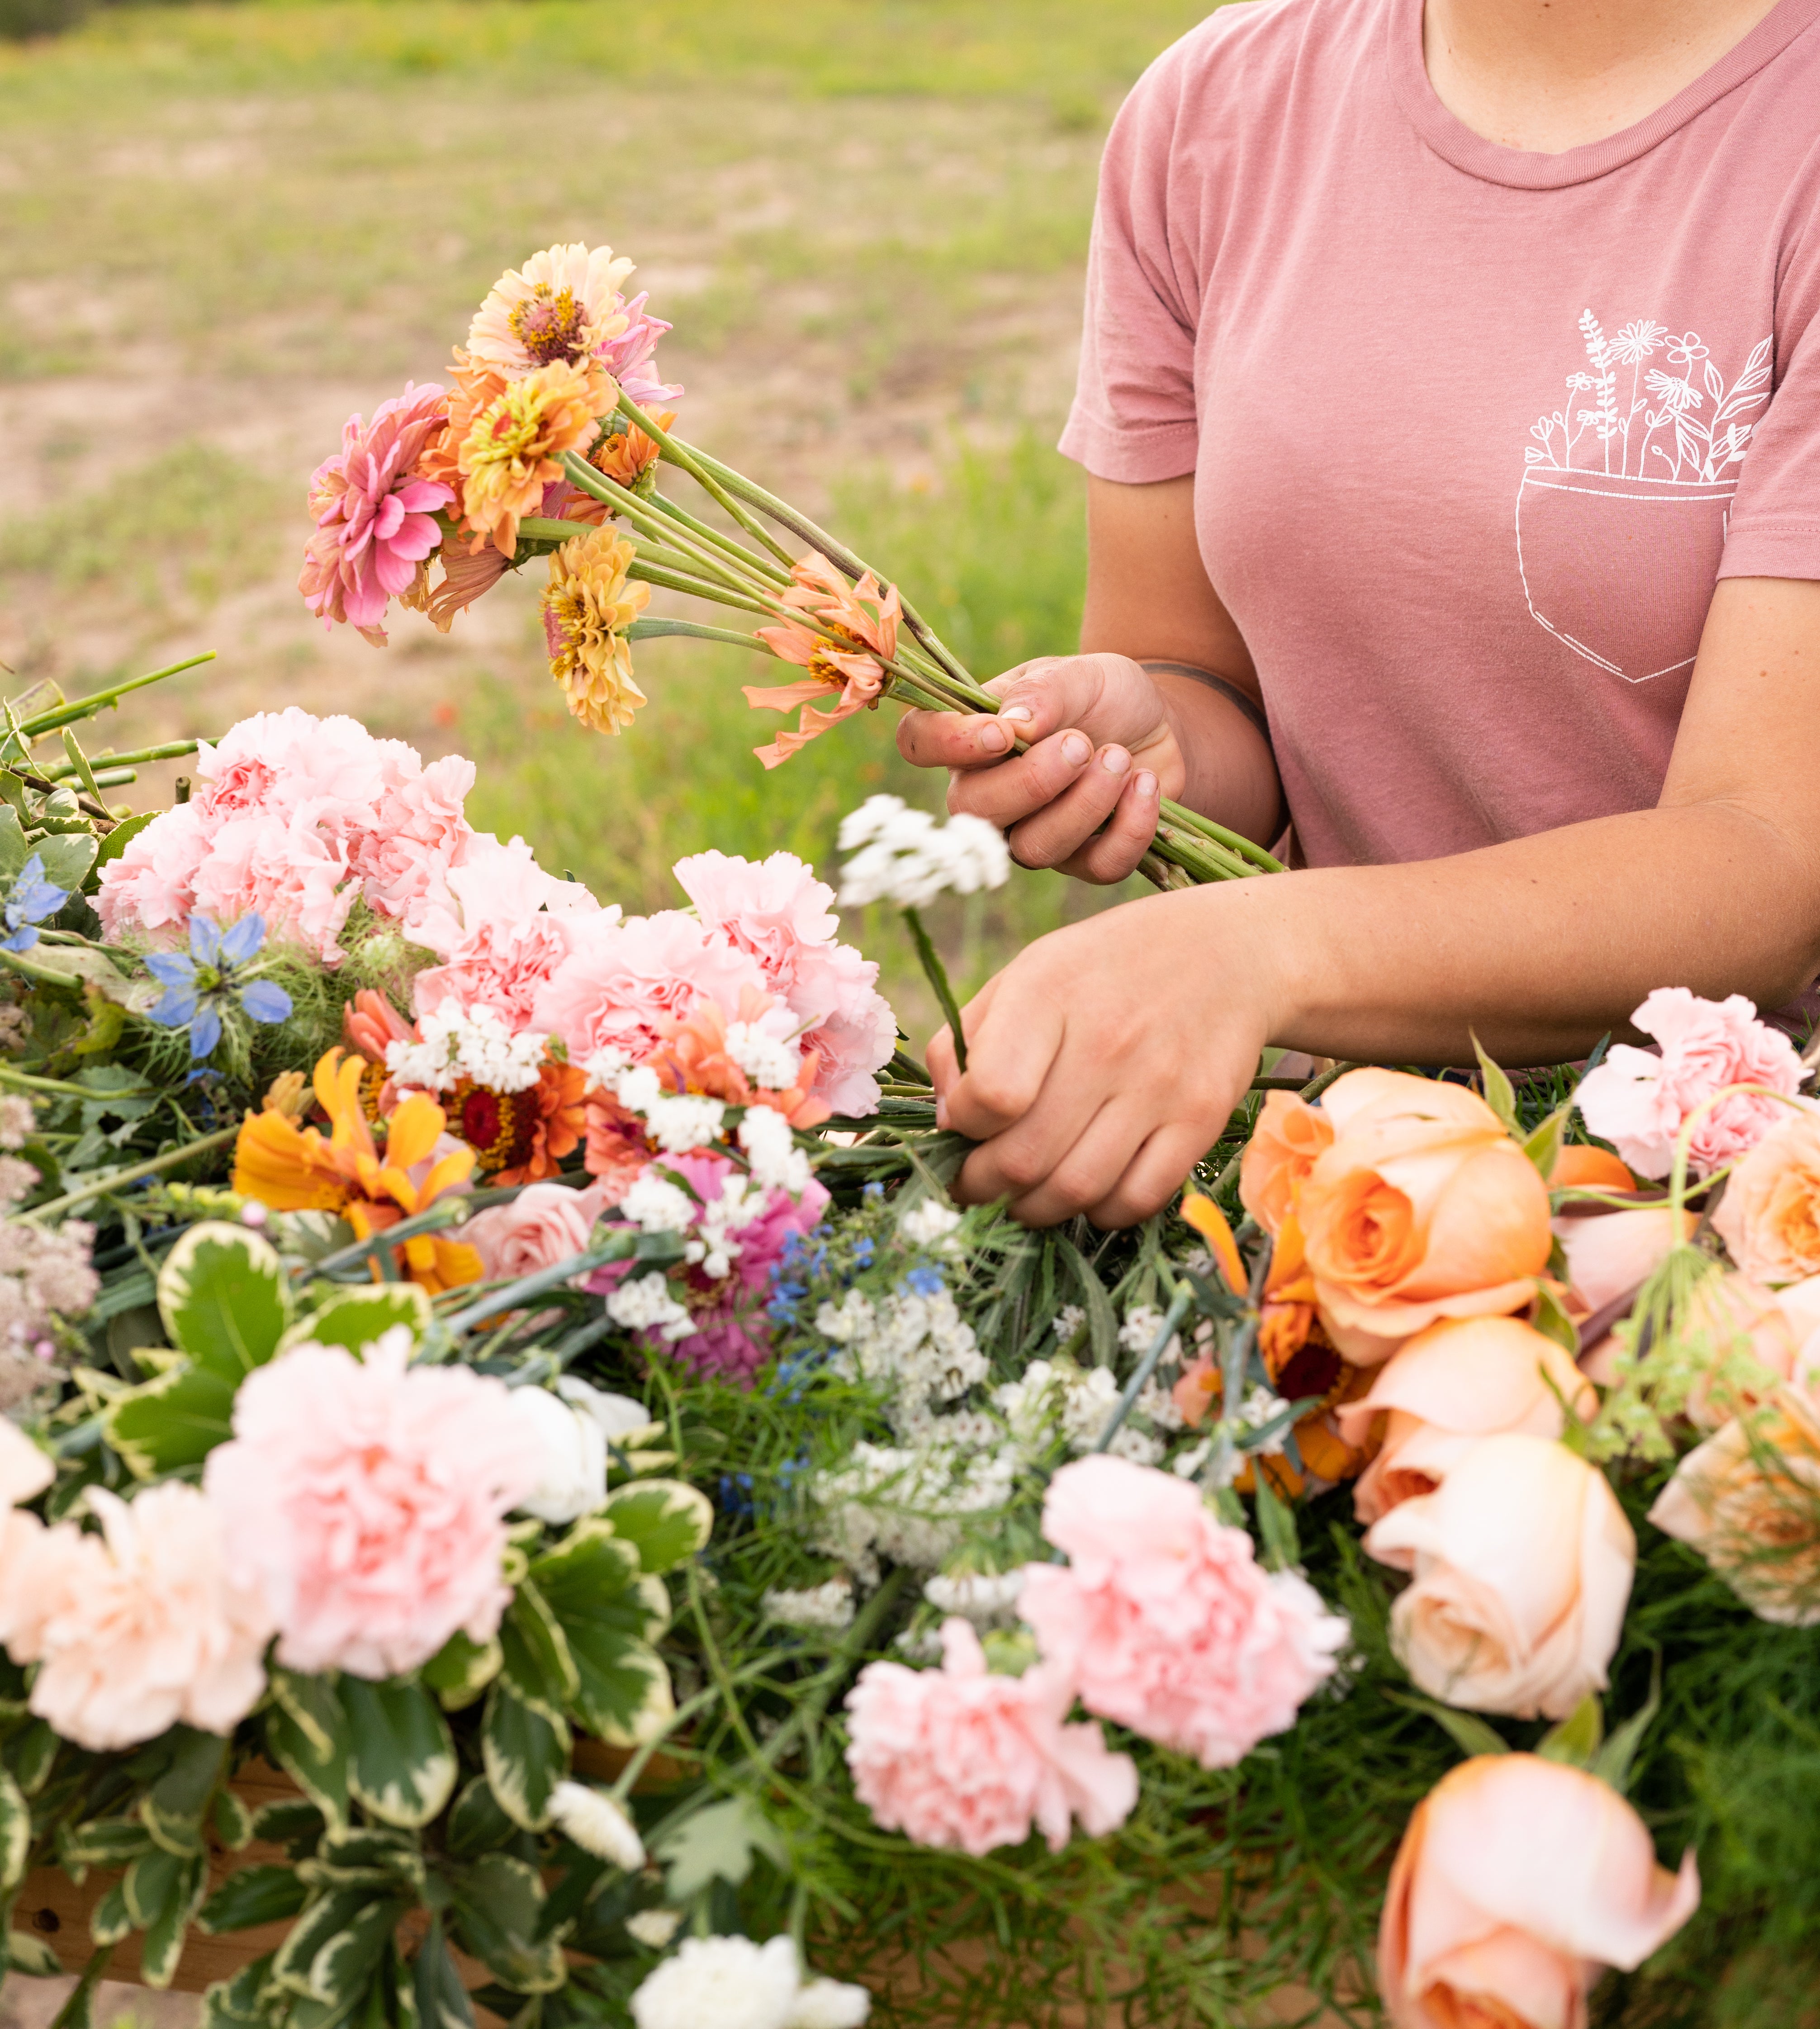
(1259, 951)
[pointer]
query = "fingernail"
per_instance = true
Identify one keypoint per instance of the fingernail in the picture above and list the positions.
(1146, 783)
(1115, 760)
(941, 1113)
(993, 737)
(1076, 749)
(1019, 713)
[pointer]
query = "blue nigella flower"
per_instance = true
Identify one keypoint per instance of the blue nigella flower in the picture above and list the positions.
(862, 1252)
(198, 981)
(735, 1491)
(33, 899)
(872, 1193)
(925, 1282)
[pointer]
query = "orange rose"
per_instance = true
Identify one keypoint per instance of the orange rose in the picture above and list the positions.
(1516, 1880)
(1423, 1209)
(1460, 1380)
(1769, 1216)
(1289, 1135)
(1579, 1166)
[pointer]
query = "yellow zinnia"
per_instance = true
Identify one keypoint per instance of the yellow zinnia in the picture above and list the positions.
(587, 605)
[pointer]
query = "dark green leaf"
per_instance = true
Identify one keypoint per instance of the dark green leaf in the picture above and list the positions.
(307, 1732)
(233, 1821)
(461, 1670)
(114, 844)
(537, 1663)
(235, 2003)
(253, 1895)
(1500, 1094)
(15, 1833)
(1575, 1740)
(476, 1824)
(1470, 1735)
(526, 1755)
(30, 1756)
(173, 1808)
(1101, 1319)
(162, 1948)
(665, 1521)
(77, 2010)
(403, 1766)
(442, 2000)
(498, 1906)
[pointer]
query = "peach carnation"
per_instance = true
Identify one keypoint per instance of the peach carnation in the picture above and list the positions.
(368, 1499)
(138, 1628)
(1163, 1619)
(959, 1757)
(1640, 1102)
(1770, 1215)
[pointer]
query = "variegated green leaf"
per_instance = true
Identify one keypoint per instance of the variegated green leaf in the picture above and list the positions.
(666, 1521)
(307, 1733)
(110, 1919)
(403, 1766)
(153, 1883)
(163, 1946)
(173, 1808)
(253, 1895)
(538, 1665)
(442, 2001)
(525, 1753)
(354, 1318)
(461, 1670)
(15, 1834)
(237, 2003)
(27, 1953)
(498, 1912)
(224, 1297)
(30, 1756)
(477, 1824)
(233, 1821)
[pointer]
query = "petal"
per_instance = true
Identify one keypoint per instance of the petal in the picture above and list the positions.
(239, 944)
(206, 1030)
(177, 1008)
(171, 968)
(205, 941)
(413, 1132)
(265, 1002)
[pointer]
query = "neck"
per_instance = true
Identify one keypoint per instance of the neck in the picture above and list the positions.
(1550, 75)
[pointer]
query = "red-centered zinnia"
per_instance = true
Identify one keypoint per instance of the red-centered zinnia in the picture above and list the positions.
(587, 606)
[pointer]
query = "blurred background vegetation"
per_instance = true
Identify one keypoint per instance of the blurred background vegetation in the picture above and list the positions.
(222, 228)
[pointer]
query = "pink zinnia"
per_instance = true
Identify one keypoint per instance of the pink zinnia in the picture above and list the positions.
(1163, 1618)
(630, 358)
(373, 518)
(1640, 1102)
(958, 1757)
(368, 1499)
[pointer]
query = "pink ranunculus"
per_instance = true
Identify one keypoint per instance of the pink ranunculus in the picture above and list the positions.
(1517, 1879)
(621, 978)
(367, 1498)
(1638, 1102)
(777, 910)
(374, 520)
(544, 1224)
(138, 1628)
(959, 1757)
(1163, 1618)
(503, 928)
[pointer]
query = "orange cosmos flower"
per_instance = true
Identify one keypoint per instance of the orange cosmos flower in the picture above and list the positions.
(863, 618)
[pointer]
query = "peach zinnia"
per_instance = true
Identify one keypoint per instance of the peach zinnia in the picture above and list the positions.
(588, 605)
(563, 304)
(514, 447)
(863, 618)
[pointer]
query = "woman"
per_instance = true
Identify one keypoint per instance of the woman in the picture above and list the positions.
(1450, 400)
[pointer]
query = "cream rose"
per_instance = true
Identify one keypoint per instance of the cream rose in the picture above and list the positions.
(1770, 1215)
(1423, 1209)
(1459, 1380)
(1516, 1880)
(1748, 1501)
(1522, 1562)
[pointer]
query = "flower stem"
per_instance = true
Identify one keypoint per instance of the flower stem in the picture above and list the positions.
(681, 454)
(937, 974)
(169, 1160)
(1179, 1306)
(80, 708)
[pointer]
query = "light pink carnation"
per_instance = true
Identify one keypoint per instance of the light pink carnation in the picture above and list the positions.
(1164, 1620)
(623, 978)
(150, 888)
(368, 1498)
(544, 1224)
(777, 910)
(374, 522)
(503, 927)
(138, 1628)
(1638, 1102)
(958, 1757)
(293, 871)
(416, 834)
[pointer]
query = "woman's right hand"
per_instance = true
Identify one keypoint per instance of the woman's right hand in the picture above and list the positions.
(1102, 753)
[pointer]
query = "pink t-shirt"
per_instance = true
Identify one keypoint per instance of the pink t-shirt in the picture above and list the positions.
(1475, 432)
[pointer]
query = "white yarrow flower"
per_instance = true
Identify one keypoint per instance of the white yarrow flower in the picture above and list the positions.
(656, 1205)
(646, 1304)
(474, 1043)
(771, 1148)
(987, 1598)
(733, 1983)
(768, 1062)
(902, 855)
(928, 1223)
(598, 1824)
(828, 1606)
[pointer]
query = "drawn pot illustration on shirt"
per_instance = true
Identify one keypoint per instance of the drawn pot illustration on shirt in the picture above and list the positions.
(1626, 495)
(1622, 570)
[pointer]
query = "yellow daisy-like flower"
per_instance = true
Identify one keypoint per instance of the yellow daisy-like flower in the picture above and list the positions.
(587, 605)
(513, 446)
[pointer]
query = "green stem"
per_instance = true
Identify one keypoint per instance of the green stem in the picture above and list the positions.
(169, 1160)
(657, 628)
(681, 454)
(666, 580)
(60, 1088)
(937, 975)
(80, 708)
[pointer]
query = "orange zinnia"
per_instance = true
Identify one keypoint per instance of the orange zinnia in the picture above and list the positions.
(864, 618)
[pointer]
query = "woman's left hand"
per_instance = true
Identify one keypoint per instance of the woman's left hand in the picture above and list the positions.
(1106, 1059)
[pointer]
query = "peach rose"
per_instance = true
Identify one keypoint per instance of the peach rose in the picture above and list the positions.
(1523, 1561)
(1289, 1135)
(544, 1224)
(1459, 1380)
(1748, 1501)
(1423, 1209)
(1611, 1254)
(1516, 1880)
(1580, 1167)
(1770, 1215)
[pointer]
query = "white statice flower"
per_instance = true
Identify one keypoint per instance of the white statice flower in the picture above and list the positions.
(920, 1349)
(1259, 1408)
(902, 855)
(931, 1224)
(908, 1503)
(733, 1983)
(852, 1318)
(654, 1205)
(988, 1599)
(1031, 1405)
(477, 1042)
(828, 1607)
(571, 1458)
(1139, 1446)
(716, 1248)
(1156, 1405)
(773, 1064)
(1067, 1321)
(597, 1823)
(654, 1928)
(771, 1148)
(646, 1304)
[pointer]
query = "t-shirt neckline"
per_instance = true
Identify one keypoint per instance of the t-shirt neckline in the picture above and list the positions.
(1455, 143)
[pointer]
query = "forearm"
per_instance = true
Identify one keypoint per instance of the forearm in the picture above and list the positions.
(1538, 946)
(1227, 772)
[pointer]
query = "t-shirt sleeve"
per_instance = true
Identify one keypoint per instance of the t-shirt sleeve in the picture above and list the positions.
(1774, 528)
(1133, 415)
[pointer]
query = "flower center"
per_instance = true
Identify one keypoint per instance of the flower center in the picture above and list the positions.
(509, 429)
(549, 325)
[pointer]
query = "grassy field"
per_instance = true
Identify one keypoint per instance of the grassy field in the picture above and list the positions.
(222, 228)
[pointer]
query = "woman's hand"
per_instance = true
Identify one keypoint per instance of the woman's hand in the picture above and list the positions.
(1106, 1059)
(1101, 754)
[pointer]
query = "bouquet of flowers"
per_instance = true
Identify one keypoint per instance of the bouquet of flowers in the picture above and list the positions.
(524, 1499)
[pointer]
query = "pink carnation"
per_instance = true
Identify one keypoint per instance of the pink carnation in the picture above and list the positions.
(1640, 1101)
(374, 521)
(136, 1628)
(418, 833)
(777, 910)
(368, 1499)
(622, 979)
(150, 889)
(1163, 1618)
(958, 1757)
(503, 927)
(293, 871)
